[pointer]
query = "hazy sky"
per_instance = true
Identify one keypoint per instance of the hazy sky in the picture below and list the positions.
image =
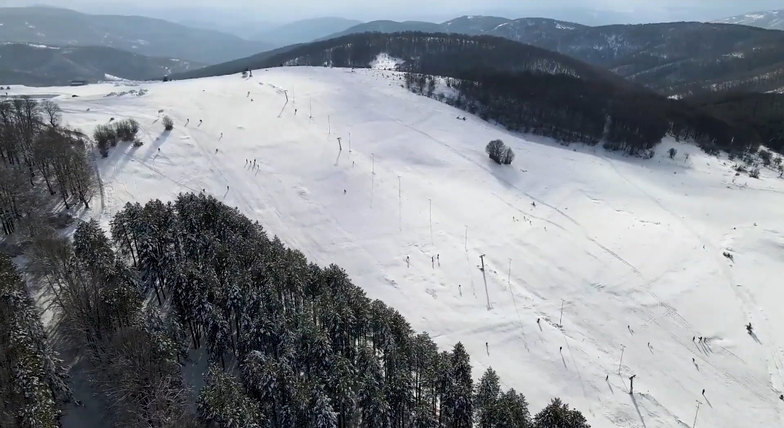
(285, 10)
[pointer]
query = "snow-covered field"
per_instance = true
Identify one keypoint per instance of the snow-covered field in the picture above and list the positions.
(630, 249)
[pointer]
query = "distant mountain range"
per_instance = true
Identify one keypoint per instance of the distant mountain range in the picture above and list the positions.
(146, 36)
(771, 19)
(672, 58)
(39, 65)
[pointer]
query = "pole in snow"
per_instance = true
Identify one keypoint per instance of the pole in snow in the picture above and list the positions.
(466, 238)
(310, 116)
(560, 320)
(623, 347)
(509, 279)
(349, 142)
(431, 220)
(695, 414)
(329, 124)
(487, 293)
(400, 202)
(373, 156)
(340, 145)
(631, 384)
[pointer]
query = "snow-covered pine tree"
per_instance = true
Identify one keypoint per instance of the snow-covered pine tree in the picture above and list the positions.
(372, 402)
(322, 414)
(459, 393)
(224, 402)
(513, 411)
(32, 379)
(486, 397)
(558, 415)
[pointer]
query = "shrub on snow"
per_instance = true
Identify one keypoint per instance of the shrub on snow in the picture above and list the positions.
(126, 129)
(168, 123)
(499, 153)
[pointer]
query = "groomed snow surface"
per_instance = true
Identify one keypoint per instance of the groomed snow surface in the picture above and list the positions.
(631, 249)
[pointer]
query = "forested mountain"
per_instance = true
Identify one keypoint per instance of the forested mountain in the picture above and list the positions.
(769, 19)
(145, 36)
(526, 89)
(39, 65)
(290, 343)
(762, 112)
(387, 26)
(672, 58)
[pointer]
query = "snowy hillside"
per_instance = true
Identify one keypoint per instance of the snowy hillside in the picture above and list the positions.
(629, 250)
(771, 19)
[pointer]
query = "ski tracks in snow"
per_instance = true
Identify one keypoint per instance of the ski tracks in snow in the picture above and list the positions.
(749, 385)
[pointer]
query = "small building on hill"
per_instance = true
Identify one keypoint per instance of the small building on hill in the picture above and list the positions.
(79, 82)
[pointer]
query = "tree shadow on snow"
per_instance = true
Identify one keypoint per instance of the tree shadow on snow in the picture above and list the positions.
(153, 150)
(120, 155)
(508, 175)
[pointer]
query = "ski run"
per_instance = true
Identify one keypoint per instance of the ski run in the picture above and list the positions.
(599, 269)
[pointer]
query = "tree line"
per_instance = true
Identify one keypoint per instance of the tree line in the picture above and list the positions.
(290, 343)
(40, 161)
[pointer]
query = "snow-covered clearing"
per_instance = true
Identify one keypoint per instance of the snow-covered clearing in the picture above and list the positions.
(632, 249)
(385, 62)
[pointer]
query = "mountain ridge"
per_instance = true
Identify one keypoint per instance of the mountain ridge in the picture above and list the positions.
(769, 19)
(147, 36)
(672, 58)
(40, 65)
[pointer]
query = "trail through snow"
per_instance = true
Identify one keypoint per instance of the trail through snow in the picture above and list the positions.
(631, 248)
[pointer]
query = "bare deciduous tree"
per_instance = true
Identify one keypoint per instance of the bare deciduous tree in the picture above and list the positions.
(53, 113)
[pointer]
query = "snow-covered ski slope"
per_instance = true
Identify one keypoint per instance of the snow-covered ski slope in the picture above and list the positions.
(631, 249)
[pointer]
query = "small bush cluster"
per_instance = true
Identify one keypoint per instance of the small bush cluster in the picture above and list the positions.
(126, 129)
(499, 153)
(110, 134)
(168, 123)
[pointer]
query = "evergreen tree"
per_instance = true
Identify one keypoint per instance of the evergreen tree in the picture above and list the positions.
(558, 415)
(486, 400)
(32, 380)
(513, 411)
(223, 402)
(460, 390)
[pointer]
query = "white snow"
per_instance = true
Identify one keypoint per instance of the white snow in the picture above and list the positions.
(633, 247)
(34, 45)
(560, 26)
(385, 62)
